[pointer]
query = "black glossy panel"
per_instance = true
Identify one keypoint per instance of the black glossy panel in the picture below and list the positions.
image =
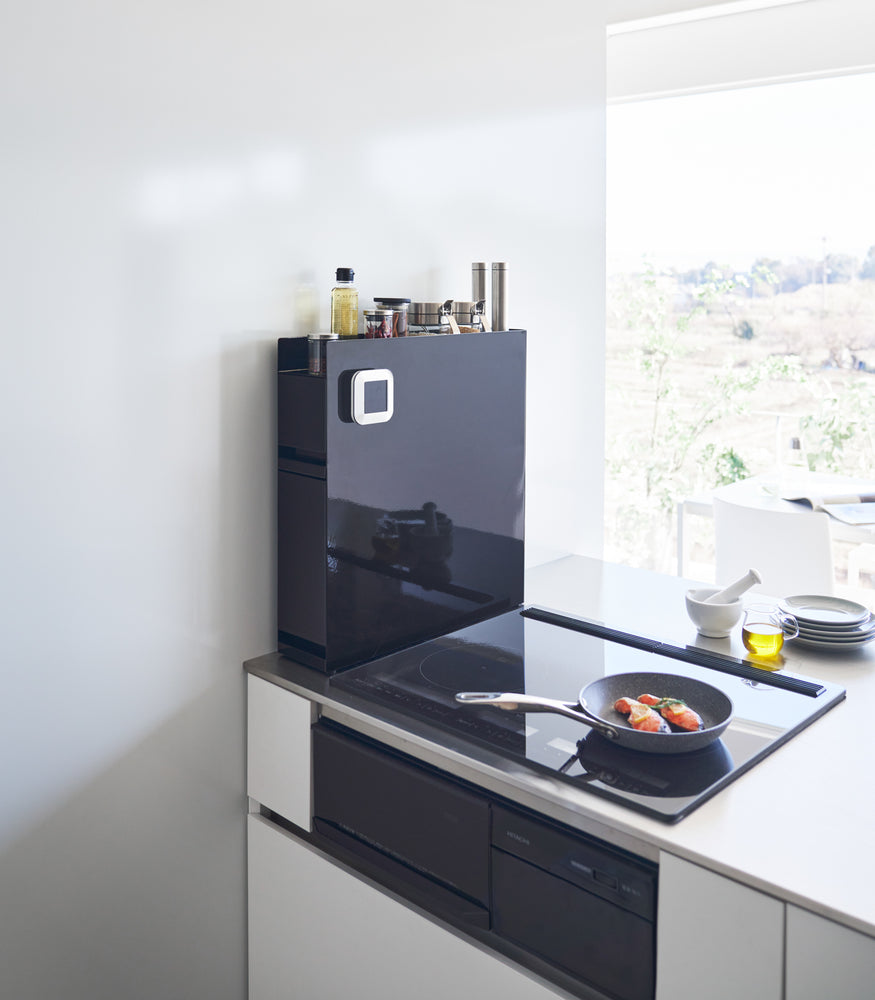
(420, 526)
(456, 437)
(301, 558)
(292, 353)
(301, 414)
(426, 511)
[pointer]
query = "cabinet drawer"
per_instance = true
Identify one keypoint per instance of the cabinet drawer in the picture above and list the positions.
(825, 959)
(601, 944)
(316, 931)
(716, 935)
(424, 820)
(278, 751)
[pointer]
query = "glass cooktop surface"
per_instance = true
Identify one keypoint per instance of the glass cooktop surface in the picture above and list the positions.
(542, 653)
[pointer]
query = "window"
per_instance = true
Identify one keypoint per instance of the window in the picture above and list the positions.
(741, 266)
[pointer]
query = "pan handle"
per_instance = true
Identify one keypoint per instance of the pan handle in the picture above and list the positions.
(530, 703)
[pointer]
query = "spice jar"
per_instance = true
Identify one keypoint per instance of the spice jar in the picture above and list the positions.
(425, 315)
(399, 307)
(316, 344)
(466, 317)
(378, 323)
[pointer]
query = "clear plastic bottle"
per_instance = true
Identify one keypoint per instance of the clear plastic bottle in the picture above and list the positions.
(306, 308)
(345, 304)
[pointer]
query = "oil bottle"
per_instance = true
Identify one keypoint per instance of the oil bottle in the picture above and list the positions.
(345, 304)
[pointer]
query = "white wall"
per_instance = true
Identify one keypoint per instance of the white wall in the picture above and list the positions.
(168, 169)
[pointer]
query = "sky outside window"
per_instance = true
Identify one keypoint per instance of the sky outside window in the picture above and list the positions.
(775, 171)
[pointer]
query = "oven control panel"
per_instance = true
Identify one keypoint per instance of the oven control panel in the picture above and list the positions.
(604, 871)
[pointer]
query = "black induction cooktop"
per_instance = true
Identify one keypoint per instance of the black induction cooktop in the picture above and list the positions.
(540, 652)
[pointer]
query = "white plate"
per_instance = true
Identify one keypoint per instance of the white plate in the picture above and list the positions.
(838, 630)
(856, 631)
(833, 642)
(850, 640)
(831, 645)
(821, 610)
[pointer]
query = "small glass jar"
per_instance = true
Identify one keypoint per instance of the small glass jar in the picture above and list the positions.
(399, 307)
(378, 323)
(316, 344)
(466, 317)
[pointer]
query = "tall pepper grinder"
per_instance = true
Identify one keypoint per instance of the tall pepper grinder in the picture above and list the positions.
(499, 295)
(478, 281)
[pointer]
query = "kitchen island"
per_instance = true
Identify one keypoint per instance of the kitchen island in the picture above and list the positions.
(779, 861)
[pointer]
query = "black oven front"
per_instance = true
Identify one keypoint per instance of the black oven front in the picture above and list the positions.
(568, 906)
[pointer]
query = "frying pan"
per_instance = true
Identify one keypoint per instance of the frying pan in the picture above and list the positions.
(595, 708)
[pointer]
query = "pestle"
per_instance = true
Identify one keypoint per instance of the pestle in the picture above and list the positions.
(731, 593)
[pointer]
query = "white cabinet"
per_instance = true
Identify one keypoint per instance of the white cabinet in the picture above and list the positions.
(825, 959)
(716, 938)
(720, 939)
(278, 754)
(318, 932)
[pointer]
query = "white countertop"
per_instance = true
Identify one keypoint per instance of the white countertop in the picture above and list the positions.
(798, 825)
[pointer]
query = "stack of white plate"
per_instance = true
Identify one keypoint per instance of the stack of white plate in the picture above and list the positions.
(830, 622)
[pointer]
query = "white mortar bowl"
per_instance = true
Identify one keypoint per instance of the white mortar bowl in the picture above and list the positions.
(713, 620)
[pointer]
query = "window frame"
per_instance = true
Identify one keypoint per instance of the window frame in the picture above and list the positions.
(662, 48)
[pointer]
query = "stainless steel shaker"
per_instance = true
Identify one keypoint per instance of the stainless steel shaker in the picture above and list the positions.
(499, 295)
